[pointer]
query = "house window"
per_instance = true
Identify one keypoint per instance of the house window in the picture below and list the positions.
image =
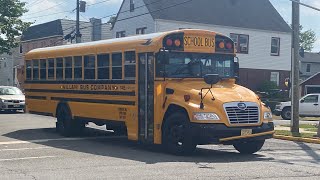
(241, 42)
(89, 67)
(275, 46)
(275, 77)
(141, 30)
(103, 66)
(120, 34)
(308, 68)
(20, 49)
(130, 65)
(117, 66)
(131, 5)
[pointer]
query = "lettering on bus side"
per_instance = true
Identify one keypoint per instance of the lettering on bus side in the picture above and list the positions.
(97, 87)
(208, 42)
(122, 113)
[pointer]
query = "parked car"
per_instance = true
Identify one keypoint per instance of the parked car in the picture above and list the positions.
(309, 106)
(11, 99)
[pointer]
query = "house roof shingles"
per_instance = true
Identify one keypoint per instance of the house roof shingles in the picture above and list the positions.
(310, 57)
(48, 29)
(252, 14)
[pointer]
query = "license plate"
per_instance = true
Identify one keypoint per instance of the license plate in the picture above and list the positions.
(245, 132)
(16, 105)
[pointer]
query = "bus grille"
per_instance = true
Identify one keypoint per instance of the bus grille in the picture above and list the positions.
(249, 115)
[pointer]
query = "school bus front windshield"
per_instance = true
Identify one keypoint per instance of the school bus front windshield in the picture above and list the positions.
(196, 65)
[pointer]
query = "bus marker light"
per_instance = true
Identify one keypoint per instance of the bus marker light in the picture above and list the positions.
(177, 42)
(187, 98)
(221, 45)
(169, 42)
(229, 45)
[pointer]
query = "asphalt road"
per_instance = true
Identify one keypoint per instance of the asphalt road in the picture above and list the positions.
(31, 149)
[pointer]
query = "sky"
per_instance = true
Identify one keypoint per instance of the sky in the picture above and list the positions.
(41, 11)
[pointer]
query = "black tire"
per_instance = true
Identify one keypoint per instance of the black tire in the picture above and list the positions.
(248, 147)
(176, 138)
(286, 113)
(65, 125)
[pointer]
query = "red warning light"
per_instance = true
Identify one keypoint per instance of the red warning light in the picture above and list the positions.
(177, 42)
(229, 45)
(169, 42)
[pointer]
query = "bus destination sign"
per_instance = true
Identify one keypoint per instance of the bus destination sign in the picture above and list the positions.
(192, 43)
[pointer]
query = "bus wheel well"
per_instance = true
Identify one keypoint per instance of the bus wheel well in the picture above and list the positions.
(173, 109)
(62, 105)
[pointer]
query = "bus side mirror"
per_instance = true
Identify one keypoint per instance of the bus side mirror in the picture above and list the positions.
(212, 79)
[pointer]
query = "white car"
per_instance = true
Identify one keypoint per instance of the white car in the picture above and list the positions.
(11, 99)
(309, 106)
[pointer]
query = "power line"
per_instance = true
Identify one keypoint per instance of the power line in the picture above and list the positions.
(184, 2)
(32, 3)
(46, 9)
(306, 5)
(97, 3)
(46, 15)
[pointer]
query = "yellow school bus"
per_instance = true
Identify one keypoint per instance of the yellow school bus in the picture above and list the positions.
(174, 88)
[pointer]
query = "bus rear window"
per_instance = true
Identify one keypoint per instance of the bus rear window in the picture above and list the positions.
(28, 70)
(68, 68)
(43, 69)
(35, 64)
(50, 68)
(59, 68)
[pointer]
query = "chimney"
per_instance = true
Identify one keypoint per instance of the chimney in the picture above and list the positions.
(96, 29)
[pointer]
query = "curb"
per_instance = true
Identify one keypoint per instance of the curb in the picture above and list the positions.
(298, 139)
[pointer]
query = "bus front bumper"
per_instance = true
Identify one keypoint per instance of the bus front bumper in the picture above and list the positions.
(221, 134)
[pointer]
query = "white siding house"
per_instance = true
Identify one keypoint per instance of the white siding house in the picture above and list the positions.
(264, 37)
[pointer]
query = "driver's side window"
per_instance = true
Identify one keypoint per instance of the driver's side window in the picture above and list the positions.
(310, 99)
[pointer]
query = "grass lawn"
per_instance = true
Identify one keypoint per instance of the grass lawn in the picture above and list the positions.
(288, 133)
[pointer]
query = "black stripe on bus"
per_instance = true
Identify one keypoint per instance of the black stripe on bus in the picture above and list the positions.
(41, 113)
(83, 82)
(94, 101)
(37, 97)
(116, 93)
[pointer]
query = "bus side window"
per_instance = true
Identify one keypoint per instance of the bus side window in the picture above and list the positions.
(117, 66)
(68, 68)
(89, 67)
(130, 65)
(43, 69)
(77, 67)
(35, 74)
(103, 66)
(50, 68)
(28, 70)
(59, 68)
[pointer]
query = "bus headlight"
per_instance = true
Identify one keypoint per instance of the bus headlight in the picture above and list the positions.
(206, 117)
(267, 115)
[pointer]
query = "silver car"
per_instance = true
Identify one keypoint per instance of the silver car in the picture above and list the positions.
(11, 99)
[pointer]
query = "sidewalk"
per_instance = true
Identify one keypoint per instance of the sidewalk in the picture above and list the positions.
(301, 130)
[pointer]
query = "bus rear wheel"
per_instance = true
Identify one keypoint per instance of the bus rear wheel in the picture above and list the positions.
(65, 125)
(249, 147)
(175, 136)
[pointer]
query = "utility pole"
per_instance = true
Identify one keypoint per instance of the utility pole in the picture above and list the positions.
(78, 35)
(295, 96)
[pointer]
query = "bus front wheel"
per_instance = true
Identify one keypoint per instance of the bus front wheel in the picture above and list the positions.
(65, 125)
(248, 147)
(175, 136)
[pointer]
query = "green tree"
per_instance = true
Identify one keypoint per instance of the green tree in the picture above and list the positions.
(11, 25)
(307, 39)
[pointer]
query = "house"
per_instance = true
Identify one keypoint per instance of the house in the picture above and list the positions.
(55, 33)
(309, 65)
(311, 84)
(262, 37)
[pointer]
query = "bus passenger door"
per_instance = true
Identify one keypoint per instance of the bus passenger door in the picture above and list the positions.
(146, 97)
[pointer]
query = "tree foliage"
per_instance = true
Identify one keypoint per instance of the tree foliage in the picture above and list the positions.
(11, 25)
(307, 39)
